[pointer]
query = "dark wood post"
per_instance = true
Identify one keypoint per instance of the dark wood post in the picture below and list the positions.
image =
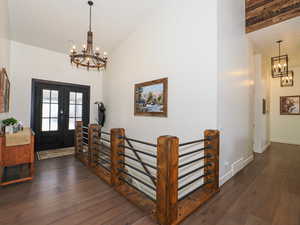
(212, 142)
(92, 145)
(117, 139)
(78, 138)
(167, 180)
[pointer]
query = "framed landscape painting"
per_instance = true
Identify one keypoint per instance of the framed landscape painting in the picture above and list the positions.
(290, 105)
(151, 98)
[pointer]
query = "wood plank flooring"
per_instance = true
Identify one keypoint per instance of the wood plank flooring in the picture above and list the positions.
(64, 192)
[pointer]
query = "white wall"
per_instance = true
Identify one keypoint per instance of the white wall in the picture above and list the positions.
(179, 42)
(27, 62)
(236, 94)
(285, 128)
(4, 34)
(262, 121)
(4, 41)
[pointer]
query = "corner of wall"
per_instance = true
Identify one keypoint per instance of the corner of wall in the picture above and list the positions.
(236, 167)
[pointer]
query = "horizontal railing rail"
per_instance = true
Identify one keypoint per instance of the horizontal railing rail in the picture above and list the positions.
(168, 179)
(192, 142)
(137, 141)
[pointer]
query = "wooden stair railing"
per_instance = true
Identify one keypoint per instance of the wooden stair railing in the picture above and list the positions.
(167, 189)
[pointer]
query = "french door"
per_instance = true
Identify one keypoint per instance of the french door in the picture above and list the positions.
(55, 109)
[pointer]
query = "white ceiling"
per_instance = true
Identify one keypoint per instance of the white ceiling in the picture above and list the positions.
(55, 24)
(288, 31)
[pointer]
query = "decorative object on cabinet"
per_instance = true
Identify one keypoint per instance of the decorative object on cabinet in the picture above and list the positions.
(280, 63)
(151, 98)
(11, 125)
(290, 105)
(4, 91)
(287, 81)
(15, 150)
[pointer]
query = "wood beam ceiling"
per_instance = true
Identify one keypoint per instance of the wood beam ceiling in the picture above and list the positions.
(264, 13)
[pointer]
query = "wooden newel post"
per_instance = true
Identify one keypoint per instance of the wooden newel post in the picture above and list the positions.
(213, 144)
(116, 141)
(167, 180)
(94, 136)
(78, 137)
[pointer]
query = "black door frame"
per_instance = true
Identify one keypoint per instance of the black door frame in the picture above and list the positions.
(36, 82)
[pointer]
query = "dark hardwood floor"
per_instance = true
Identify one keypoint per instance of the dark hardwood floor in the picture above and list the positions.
(64, 192)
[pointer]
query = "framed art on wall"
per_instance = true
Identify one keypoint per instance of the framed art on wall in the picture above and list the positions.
(4, 91)
(290, 105)
(151, 98)
(264, 106)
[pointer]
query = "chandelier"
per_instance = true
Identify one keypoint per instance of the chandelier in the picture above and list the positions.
(88, 58)
(279, 64)
(287, 81)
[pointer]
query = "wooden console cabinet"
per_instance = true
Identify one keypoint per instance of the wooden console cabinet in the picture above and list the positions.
(16, 155)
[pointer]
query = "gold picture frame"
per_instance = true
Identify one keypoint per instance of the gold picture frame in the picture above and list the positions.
(151, 98)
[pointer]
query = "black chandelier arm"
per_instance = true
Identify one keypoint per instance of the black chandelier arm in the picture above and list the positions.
(90, 56)
(95, 63)
(80, 63)
(90, 66)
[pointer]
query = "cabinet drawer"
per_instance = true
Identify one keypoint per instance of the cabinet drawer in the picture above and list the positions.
(17, 155)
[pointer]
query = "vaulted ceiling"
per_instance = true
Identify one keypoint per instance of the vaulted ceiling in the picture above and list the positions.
(57, 24)
(288, 31)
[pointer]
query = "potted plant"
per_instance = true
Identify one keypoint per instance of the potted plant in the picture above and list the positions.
(8, 124)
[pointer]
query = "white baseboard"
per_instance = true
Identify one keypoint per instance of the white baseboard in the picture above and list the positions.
(226, 177)
(283, 141)
(248, 160)
(235, 168)
(266, 147)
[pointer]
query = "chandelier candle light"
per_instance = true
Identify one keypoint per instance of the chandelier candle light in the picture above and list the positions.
(279, 64)
(88, 58)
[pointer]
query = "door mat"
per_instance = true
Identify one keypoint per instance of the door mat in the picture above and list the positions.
(55, 153)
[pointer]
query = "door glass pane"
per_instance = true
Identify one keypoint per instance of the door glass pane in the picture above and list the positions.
(75, 108)
(45, 124)
(50, 110)
(72, 98)
(54, 96)
(78, 110)
(54, 110)
(46, 110)
(53, 124)
(72, 111)
(79, 98)
(46, 96)
(71, 123)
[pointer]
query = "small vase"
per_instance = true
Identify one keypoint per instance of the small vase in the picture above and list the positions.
(9, 129)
